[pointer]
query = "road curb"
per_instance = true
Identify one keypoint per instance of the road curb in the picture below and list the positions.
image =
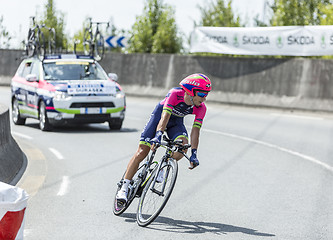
(13, 162)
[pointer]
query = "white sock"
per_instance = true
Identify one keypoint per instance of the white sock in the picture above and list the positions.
(125, 185)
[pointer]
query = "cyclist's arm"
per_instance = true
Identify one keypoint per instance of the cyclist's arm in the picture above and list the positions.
(163, 121)
(168, 104)
(162, 124)
(195, 133)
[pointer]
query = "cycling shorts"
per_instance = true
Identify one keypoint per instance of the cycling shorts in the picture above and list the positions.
(174, 129)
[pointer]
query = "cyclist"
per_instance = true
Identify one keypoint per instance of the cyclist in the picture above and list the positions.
(168, 116)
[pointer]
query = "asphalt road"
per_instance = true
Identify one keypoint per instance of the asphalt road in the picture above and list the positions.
(263, 174)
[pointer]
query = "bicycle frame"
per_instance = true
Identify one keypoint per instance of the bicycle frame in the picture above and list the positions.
(168, 154)
(141, 180)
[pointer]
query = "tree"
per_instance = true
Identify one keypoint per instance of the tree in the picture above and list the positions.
(155, 31)
(326, 18)
(4, 35)
(54, 19)
(297, 12)
(219, 14)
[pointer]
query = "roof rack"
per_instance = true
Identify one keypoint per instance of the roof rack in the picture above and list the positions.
(67, 56)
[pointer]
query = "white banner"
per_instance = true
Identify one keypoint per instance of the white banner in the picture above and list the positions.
(290, 40)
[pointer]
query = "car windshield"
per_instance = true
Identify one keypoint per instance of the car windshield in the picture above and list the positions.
(73, 71)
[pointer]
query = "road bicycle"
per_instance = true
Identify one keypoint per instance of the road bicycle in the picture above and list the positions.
(153, 194)
(93, 43)
(36, 42)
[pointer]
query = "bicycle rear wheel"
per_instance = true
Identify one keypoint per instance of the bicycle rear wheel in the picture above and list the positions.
(40, 45)
(52, 41)
(30, 46)
(99, 47)
(153, 200)
(87, 42)
(30, 49)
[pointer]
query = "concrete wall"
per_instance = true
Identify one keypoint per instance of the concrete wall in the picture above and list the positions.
(292, 83)
(9, 61)
(12, 159)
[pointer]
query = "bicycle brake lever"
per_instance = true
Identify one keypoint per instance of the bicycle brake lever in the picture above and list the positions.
(157, 145)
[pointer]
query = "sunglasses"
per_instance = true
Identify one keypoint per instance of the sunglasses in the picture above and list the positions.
(202, 94)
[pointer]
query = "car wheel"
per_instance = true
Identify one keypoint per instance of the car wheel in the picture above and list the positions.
(115, 124)
(16, 116)
(44, 123)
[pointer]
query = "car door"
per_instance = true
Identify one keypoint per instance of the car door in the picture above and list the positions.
(32, 81)
(28, 83)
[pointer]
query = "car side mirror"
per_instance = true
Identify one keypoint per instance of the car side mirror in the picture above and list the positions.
(113, 76)
(31, 78)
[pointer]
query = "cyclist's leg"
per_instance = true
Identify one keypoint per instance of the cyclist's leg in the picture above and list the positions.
(144, 147)
(177, 131)
(147, 134)
(135, 161)
(177, 155)
(132, 168)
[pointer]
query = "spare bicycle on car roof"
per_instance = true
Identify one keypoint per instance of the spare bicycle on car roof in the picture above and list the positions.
(35, 45)
(93, 43)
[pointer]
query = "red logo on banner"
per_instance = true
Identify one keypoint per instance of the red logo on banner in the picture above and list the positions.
(10, 224)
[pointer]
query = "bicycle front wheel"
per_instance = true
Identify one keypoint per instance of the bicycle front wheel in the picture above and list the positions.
(155, 196)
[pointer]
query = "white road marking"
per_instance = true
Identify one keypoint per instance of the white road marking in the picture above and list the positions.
(64, 186)
(56, 153)
(296, 116)
(22, 135)
(303, 156)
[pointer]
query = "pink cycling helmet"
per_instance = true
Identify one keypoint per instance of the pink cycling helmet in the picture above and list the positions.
(196, 82)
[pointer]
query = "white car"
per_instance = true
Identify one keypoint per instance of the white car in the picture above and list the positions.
(66, 88)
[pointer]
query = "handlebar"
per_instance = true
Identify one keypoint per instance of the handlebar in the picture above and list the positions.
(174, 146)
(177, 143)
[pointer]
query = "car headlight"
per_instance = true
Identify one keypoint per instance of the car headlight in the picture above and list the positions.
(120, 95)
(58, 95)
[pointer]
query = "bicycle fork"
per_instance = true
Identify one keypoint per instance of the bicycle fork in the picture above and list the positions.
(153, 189)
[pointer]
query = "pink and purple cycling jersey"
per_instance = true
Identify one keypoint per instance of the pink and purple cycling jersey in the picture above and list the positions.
(173, 104)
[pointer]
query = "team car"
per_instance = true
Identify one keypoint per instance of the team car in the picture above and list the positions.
(66, 89)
